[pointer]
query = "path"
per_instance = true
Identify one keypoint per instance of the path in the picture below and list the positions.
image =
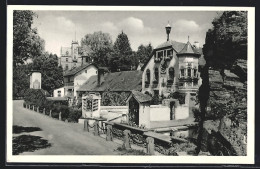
(65, 138)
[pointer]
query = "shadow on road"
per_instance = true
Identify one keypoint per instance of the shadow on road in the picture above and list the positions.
(28, 143)
(21, 129)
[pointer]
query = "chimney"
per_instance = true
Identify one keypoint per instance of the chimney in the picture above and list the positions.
(197, 44)
(100, 77)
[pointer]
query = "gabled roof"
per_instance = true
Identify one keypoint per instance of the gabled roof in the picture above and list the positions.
(77, 69)
(140, 97)
(189, 49)
(177, 46)
(117, 81)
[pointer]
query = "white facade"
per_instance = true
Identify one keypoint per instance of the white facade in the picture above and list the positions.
(35, 80)
(81, 77)
(60, 92)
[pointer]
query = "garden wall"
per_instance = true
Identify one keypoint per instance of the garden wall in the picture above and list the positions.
(159, 113)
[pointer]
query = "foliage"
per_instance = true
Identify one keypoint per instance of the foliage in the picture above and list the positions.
(100, 45)
(35, 97)
(21, 81)
(52, 74)
(143, 52)
(125, 151)
(122, 54)
(227, 40)
(114, 98)
(155, 100)
(26, 41)
(74, 114)
(179, 96)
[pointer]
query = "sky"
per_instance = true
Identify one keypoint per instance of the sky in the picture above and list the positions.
(59, 28)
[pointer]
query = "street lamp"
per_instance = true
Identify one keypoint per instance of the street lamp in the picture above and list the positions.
(168, 30)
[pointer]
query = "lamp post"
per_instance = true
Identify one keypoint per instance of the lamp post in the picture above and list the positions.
(168, 30)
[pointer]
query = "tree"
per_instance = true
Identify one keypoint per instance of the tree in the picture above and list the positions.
(227, 40)
(99, 45)
(225, 43)
(122, 55)
(143, 52)
(52, 74)
(21, 81)
(26, 41)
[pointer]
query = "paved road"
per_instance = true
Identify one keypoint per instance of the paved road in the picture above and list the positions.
(66, 138)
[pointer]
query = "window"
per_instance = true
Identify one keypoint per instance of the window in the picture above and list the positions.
(96, 72)
(86, 71)
(67, 67)
(160, 54)
(67, 59)
(169, 52)
(171, 73)
(156, 74)
(147, 78)
(195, 72)
(182, 72)
(189, 72)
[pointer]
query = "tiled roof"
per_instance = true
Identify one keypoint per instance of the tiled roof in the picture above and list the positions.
(141, 97)
(178, 46)
(117, 81)
(189, 49)
(76, 70)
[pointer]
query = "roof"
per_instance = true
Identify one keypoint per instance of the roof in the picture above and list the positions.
(189, 49)
(57, 98)
(177, 46)
(141, 97)
(76, 70)
(117, 81)
(65, 51)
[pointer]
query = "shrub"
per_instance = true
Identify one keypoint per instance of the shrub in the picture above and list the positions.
(35, 97)
(179, 96)
(74, 114)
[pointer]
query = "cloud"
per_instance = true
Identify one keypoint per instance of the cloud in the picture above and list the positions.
(186, 26)
(65, 23)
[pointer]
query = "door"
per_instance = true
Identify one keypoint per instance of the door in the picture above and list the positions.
(133, 111)
(172, 115)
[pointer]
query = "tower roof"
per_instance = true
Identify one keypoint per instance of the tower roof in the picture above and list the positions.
(189, 49)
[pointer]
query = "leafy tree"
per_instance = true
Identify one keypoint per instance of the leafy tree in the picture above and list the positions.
(99, 45)
(21, 81)
(123, 54)
(26, 41)
(143, 52)
(52, 74)
(227, 40)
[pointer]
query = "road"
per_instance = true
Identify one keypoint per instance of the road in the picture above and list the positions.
(65, 138)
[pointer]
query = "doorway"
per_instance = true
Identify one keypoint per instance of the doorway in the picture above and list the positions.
(133, 111)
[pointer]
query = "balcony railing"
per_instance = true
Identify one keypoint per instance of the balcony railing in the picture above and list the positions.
(157, 59)
(69, 84)
(169, 57)
(169, 83)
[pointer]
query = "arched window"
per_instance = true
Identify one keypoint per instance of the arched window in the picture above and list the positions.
(189, 72)
(171, 73)
(147, 77)
(156, 74)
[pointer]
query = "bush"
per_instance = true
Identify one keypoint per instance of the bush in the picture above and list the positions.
(74, 114)
(179, 96)
(35, 97)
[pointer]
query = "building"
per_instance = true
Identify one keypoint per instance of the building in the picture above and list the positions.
(173, 66)
(74, 56)
(59, 92)
(35, 79)
(76, 77)
(118, 82)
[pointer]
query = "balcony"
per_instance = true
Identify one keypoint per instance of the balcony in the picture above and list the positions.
(169, 57)
(169, 83)
(147, 84)
(69, 84)
(188, 78)
(157, 60)
(155, 84)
